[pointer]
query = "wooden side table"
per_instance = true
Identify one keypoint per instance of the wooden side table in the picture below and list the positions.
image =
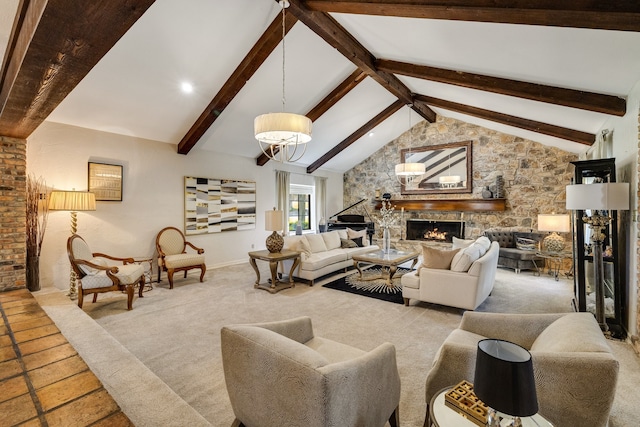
(274, 258)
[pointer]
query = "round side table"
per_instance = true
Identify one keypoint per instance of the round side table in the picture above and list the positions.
(442, 416)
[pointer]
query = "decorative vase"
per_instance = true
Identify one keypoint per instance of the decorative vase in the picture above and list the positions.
(499, 193)
(386, 240)
(486, 193)
(33, 273)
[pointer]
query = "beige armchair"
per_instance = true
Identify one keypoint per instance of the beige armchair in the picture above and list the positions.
(279, 374)
(172, 254)
(96, 276)
(574, 369)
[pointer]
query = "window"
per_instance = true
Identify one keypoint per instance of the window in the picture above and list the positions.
(300, 206)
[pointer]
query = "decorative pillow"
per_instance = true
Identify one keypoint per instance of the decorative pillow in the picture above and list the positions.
(485, 243)
(463, 259)
(92, 271)
(461, 243)
(526, 244)
(347, 243)
(355, 234)
(316, 243)
(342, 233)
(436, 258)
(303, 246)
(358, 241)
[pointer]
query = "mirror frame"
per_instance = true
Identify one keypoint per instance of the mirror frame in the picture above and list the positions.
(436, 159)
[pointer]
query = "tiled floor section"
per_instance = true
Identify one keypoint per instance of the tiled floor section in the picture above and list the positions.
(43, 380)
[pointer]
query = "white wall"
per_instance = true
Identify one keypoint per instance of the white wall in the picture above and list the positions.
(153, 195)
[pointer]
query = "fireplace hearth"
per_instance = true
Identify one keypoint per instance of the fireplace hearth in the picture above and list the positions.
(434, 231)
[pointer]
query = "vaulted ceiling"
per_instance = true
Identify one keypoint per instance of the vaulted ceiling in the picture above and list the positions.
(364, 71)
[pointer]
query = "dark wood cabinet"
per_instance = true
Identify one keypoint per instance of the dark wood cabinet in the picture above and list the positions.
(589, 172)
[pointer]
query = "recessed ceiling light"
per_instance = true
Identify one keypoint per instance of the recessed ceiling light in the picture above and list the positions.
(186, 87)
(371, 134)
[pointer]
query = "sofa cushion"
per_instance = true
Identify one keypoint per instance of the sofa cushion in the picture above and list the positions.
(436, 258)
(316, 243)
(359, 250)
(297, 243)
(347, 243)
(352, 234)
(518, 254)
(575, 332)
(461, 243)
(331, 240)
(411, 280)
(465, 257)
(484, 242)
(319, 260)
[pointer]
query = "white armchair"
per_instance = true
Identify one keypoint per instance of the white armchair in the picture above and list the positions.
(279, 374)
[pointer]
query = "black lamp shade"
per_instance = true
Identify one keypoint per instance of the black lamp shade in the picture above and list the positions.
(504, 378)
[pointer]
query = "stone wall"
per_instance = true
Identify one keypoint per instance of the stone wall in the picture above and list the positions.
(13, 247)
(535, 176)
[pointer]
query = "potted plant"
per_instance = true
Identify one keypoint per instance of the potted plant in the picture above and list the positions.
(37, 213)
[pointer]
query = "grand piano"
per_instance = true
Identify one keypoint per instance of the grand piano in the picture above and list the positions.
(353, 221)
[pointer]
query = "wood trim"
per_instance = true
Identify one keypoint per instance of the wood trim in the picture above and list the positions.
(459, 205)
(583, 100)
(622, 15)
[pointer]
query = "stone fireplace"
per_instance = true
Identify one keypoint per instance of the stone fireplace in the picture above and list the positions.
(434, 230)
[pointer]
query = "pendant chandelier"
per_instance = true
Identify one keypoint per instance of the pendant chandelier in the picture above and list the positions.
(407, 173)
(283, 136)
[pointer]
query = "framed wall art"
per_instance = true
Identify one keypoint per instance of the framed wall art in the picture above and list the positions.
(105, 181)
(217, 205)
(448, 168)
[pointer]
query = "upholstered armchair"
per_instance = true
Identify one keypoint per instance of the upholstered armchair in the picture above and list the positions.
(96, 276)
(172, 254)
(280, 374)
(575, 370)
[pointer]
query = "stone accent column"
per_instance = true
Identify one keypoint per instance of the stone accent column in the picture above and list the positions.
(13, 245)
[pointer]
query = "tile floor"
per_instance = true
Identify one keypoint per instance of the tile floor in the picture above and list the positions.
(43, 380)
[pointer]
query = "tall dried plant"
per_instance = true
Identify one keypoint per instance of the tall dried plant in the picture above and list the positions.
(37, 214)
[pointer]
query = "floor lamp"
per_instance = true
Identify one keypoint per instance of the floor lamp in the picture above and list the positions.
(73, 201)
(599, 198)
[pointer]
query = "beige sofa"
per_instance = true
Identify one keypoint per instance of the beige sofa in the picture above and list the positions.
(324, 253)
(465, 289)
(575, 370)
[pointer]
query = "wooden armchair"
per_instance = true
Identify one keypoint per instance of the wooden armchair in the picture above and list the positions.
(95, 276)
(172, 254)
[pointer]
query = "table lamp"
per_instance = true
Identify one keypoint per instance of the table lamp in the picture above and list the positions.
(504, 380)
(556, 223)
(73, 201)
(274, 221)
(598, 198)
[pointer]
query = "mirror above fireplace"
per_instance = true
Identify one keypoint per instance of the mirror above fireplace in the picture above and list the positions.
(448, 168)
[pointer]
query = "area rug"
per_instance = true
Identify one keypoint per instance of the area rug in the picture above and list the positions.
(371, 285)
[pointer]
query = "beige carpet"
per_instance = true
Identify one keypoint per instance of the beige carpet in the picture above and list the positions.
(175, 334)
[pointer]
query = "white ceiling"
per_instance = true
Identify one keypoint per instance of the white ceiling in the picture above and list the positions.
(135, 89)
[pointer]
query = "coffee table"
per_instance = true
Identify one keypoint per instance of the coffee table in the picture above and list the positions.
(390, 260)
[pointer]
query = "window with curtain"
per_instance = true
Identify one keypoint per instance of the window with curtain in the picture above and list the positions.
(300, 206)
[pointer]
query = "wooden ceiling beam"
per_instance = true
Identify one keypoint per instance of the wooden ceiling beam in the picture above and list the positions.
(260, 51)
(531, 125)
(366, 128)
(329, 101)
(333, 33)
(622, 15)
(583, 100)
(53, 46)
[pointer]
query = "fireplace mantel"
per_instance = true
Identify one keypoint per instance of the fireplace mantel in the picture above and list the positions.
(459, 205)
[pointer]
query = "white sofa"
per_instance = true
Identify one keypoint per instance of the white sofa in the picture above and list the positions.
(461, 289)
(322, 254)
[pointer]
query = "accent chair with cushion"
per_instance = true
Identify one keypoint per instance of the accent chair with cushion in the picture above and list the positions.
(574, 368)
(173, 256)
(279, 374)
(462, 277)
(96, 276)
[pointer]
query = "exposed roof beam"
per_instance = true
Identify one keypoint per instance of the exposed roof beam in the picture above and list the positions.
(329, 101)
(600, 103)
(621, 15)
(53, 45)
(333, 33)
(382, 116)
(249, 65)
(532, 125)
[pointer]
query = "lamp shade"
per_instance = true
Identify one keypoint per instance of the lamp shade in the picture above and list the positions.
(410, 169)
(602, 196)
(273, 220)
(504, 378)
(72, 201)
(282, 128)
(554, 222)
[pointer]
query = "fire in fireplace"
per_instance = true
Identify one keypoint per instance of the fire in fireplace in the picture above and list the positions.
(438, 231)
